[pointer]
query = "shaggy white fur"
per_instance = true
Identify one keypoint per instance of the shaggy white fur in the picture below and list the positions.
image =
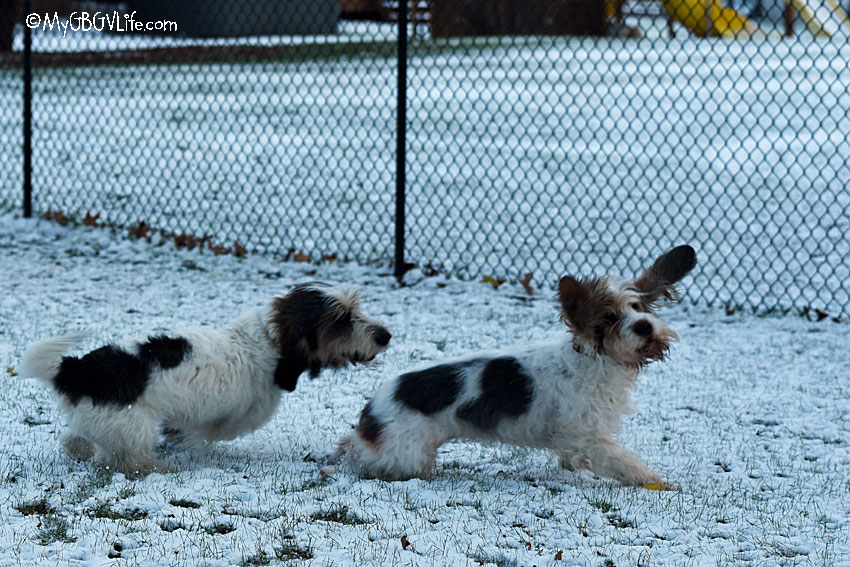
(200, 386)
(568, 395)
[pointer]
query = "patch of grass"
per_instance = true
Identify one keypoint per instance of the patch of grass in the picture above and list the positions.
(219, 529)
(499, 560)
(171, 526)
(96, 480)
(289, 550)
(36, 507)
(127, 491)
(53, 529)
(12, 477)
(314, 483)
(262, 515)
(602, 505)
(103, 510)
(260, 558)
(619, 522)
(183, 503)
(779, 550)
(339, 515)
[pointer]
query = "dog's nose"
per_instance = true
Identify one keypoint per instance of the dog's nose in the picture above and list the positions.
(642, 328)
(382, 337)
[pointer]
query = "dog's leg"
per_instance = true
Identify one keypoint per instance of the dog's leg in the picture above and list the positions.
(401, 455)
(126, 442)
(572, 461)
(77, 447)
(606, 458)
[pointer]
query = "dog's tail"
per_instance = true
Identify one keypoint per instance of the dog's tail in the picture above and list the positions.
(42, 359)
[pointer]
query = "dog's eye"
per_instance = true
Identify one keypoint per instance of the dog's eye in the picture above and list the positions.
(610, 319)
(636, 306)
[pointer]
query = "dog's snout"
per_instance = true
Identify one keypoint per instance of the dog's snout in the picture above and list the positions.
(381, 336)
(642, 328)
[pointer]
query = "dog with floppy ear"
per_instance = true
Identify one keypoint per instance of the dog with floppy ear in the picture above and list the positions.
(201, 386)
(568, 395)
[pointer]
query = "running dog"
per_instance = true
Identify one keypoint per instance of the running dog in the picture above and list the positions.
(568, 395)
(200, 386)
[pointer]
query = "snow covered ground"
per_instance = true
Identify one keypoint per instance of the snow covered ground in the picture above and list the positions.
(750, 418)
(523, 156)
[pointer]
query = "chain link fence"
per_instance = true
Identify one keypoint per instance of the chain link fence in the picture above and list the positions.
(542, 138)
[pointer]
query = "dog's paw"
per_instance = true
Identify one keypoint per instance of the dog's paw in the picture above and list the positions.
(77, 447)
(327, 471)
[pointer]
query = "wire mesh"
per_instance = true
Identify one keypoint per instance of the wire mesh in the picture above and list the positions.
(543, 138)
(265, 123)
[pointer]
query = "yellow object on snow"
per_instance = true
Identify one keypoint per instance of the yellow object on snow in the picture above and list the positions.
(721, 21)
(654, 486)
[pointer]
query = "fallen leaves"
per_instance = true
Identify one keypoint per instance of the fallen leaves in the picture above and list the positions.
(219, 250)
(430, 271)
(526, 283)
(56, 216)
(190, 241)
(819, 314)
(141, 230)
(90, 220)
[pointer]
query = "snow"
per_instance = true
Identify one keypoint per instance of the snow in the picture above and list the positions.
(559, 146)
(749, 418)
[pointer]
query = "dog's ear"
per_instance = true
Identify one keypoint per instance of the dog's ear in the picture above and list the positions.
(574, 297)
(659, 279)
(287, 372)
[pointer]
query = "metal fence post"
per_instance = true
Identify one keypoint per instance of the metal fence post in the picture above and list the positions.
(401, 129)
(27, 8)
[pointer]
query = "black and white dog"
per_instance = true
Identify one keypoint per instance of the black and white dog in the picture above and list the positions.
(568, 395)
(200, 386)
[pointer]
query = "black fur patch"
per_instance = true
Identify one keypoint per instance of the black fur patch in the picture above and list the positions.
(165, 351)
(300, 313)
(369, 427)
(340, 328)
(506, 391)
(287, 371)
(112, 375)
(431, 390)
(306, 308)
(106, 375)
